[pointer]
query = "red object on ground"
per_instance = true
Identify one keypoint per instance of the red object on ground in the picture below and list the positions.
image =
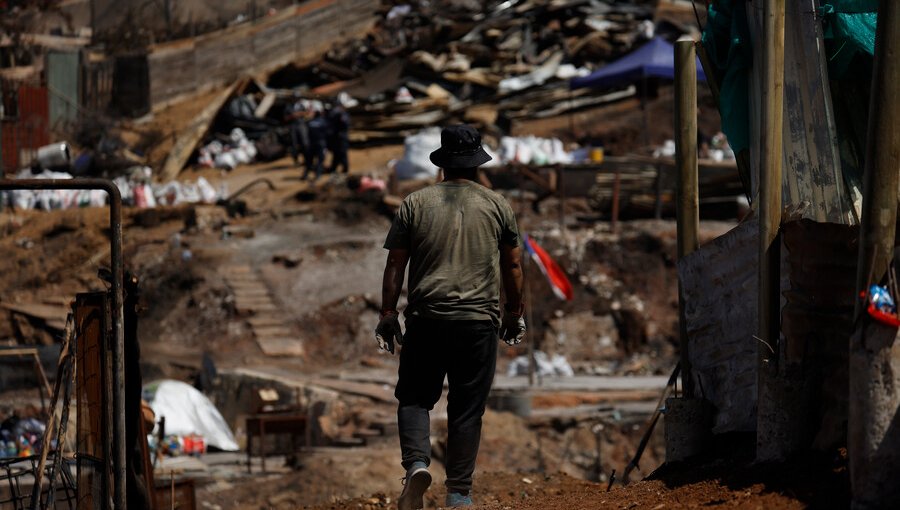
(556, 276)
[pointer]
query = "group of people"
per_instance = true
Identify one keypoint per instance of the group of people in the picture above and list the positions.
(316, 129)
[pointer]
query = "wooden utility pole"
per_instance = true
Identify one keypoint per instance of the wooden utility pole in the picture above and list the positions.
(687, 200)
(769, 415)
(770, 179)
(873, 441)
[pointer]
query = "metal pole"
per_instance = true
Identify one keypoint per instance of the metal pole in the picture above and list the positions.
(687, 201)
(873, 444)
(117, 312)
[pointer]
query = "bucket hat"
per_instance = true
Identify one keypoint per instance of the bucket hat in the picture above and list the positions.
(460, 148)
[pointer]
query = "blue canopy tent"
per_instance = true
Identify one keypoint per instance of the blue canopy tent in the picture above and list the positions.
(656, 59)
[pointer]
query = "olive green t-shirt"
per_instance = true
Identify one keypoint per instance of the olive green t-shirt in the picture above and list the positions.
(454, 231)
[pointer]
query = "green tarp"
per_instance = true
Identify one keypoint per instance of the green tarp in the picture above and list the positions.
(849, 28)
(726, 38)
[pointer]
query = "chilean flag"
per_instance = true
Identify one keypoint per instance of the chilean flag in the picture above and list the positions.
(555, 275)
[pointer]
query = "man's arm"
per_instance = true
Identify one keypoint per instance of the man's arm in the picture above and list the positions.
(392, 284)
(511, 271)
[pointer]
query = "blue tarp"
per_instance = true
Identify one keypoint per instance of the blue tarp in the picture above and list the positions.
(656, 59)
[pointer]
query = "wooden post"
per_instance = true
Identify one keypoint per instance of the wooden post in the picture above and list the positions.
(769, 325)
(561, 194)
(617, 184)
(687, 201)
(529, 335)
(873, 440)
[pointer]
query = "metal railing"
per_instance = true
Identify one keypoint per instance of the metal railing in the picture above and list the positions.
(117, 312)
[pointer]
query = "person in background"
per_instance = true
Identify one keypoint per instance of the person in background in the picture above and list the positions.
(461, 242)
(295, 116)
(318, 135)
(339, 137)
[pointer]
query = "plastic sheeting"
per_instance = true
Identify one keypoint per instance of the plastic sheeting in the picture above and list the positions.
(850, 30)
(187, 412)
(726, 38)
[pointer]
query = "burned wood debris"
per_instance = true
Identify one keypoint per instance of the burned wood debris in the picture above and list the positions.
(489, 64)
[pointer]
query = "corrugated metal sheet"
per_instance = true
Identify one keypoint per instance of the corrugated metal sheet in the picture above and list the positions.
(812, 166)
(812, 172)
(819, 283)
(63, 81)
(26, 128)
(720, 291)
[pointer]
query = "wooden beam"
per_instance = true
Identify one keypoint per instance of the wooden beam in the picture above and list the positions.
(187, 141)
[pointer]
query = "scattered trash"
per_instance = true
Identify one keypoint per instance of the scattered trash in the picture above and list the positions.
(188, 413)
(547, 366)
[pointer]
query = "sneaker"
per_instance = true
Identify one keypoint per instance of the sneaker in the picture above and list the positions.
(455, 499)
(415, 483)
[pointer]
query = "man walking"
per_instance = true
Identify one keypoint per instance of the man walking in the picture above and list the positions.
(460, 240)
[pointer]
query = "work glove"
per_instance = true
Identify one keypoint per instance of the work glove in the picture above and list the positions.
(388, 331)
(512, 328)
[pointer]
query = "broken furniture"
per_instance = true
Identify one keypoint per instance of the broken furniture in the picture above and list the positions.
(261, 425)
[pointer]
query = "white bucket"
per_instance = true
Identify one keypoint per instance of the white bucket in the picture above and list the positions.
(55, 155)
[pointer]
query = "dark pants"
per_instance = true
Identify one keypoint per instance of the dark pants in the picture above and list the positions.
(339, 158)
(464, 351)
(300, 142)
(315, 160)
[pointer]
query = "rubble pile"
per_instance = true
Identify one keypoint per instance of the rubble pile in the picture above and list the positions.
(488, 64)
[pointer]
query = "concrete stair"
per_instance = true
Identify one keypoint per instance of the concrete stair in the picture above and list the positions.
(254, 300)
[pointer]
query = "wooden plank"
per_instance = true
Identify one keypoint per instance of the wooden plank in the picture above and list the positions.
(187, 141)
(281, 346)
(53, 316)
(273, 331)
(375, 391)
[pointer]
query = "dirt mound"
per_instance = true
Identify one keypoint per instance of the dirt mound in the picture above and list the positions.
(811, 482)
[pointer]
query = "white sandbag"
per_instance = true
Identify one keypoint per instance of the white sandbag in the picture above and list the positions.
(167, 194)
(417, 148)
(187, 411)
(190, 193)
(226, 160)
(495, 157)
(546, 366)
(207, 192)
(240, 155)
